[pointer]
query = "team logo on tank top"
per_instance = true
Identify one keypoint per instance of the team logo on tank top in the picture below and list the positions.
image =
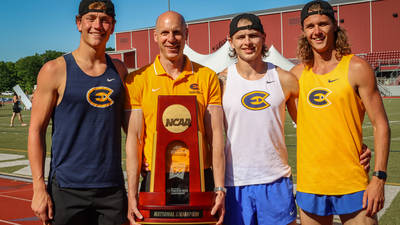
(255, 100)
(318, 97)
(100, 97)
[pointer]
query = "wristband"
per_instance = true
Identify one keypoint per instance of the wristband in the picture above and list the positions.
(380, 174)
(223, 189)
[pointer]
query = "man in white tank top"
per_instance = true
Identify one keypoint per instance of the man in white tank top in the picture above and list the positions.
(258, 177)
(255, 94)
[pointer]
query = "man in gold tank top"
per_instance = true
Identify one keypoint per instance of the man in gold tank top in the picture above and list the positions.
(336, 89)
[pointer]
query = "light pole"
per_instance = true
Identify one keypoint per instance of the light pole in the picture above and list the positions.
(169, 9)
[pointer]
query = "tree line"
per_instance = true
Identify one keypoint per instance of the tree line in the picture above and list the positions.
(24, 71)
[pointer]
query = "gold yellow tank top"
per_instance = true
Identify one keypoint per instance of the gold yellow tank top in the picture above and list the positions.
(329, 133)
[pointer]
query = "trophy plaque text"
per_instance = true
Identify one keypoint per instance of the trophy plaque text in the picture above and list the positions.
(177, 186)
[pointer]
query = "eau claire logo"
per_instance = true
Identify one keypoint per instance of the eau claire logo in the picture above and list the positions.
(318, 97)
(100, 97)
(176, 118)
(255, 100)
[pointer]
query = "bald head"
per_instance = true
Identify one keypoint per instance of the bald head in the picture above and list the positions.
(170, 17)
(170, 35)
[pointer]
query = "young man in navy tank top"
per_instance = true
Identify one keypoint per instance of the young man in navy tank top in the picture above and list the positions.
(82, 92)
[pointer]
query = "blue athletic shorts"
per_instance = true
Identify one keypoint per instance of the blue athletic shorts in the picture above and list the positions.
(262, 204)
(325, 205)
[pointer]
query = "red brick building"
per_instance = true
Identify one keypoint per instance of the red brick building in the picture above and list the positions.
(373, 27)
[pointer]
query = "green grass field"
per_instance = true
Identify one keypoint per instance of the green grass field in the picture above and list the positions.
(13, 140)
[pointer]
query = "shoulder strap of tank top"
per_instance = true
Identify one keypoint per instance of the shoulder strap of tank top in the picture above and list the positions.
(68, 58)
(110, 63)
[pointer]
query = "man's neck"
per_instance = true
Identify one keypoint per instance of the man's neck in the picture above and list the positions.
(251, 70)
(173, 68)
(92, 61)
(324, 62)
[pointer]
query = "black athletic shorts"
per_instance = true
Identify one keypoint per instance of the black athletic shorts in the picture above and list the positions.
(16, 109)
(88, 206)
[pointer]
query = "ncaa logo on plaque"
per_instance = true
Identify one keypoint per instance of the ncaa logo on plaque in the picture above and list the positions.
(176, 118)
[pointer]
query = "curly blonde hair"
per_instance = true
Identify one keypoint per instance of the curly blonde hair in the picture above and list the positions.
(342, 46)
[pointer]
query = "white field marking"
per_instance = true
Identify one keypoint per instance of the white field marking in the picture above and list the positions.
(396, 113)
(26, 171)
(368, 124)
(14, 163)
(12, 197)
(8, 222)
(391, 192)
(4, 157)
(395, 139)
(372, 137)
(368, 137)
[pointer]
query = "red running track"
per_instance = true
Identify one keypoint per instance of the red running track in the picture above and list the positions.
(15, 203)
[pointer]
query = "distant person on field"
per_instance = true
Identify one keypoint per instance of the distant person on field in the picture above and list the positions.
(82, 92)
(16, 110)
(336, 89)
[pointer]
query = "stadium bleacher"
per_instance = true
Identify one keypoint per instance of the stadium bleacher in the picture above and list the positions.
(388, 60)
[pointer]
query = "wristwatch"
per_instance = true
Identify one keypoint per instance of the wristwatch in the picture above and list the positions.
(223, 189)
(380, 174)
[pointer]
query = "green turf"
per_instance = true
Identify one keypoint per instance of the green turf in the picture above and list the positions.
(13, 140)
(392, 216)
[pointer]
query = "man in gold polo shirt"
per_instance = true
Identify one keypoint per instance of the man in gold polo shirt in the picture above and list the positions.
(172, 73)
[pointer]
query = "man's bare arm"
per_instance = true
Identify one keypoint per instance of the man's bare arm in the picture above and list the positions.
(213, 120)
(50, 85)
(362, 78)
(133, 146)
(290, 87)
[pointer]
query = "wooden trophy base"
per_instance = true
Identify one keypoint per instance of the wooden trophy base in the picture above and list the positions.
(198, 213)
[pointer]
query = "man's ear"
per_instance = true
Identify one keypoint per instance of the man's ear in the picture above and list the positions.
(78, 21)
(155, 35)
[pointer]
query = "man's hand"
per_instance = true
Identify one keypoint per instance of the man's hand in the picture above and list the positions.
(145, 168)
(133, 211)
(374, 196)
(219, 206)
(365, 157)
(42, 206)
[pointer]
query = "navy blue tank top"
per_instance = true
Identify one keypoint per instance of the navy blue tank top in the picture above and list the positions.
(86, 140)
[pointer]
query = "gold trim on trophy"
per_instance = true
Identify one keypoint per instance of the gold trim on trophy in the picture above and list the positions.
(153, 162)
(201, 164)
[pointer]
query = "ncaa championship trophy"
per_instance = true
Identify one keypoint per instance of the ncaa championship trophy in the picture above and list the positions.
(177, 187)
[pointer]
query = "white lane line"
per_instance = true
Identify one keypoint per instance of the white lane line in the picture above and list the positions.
(8, 222)
(12, 197)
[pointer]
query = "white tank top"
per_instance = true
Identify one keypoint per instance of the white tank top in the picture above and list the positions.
(255, 114)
